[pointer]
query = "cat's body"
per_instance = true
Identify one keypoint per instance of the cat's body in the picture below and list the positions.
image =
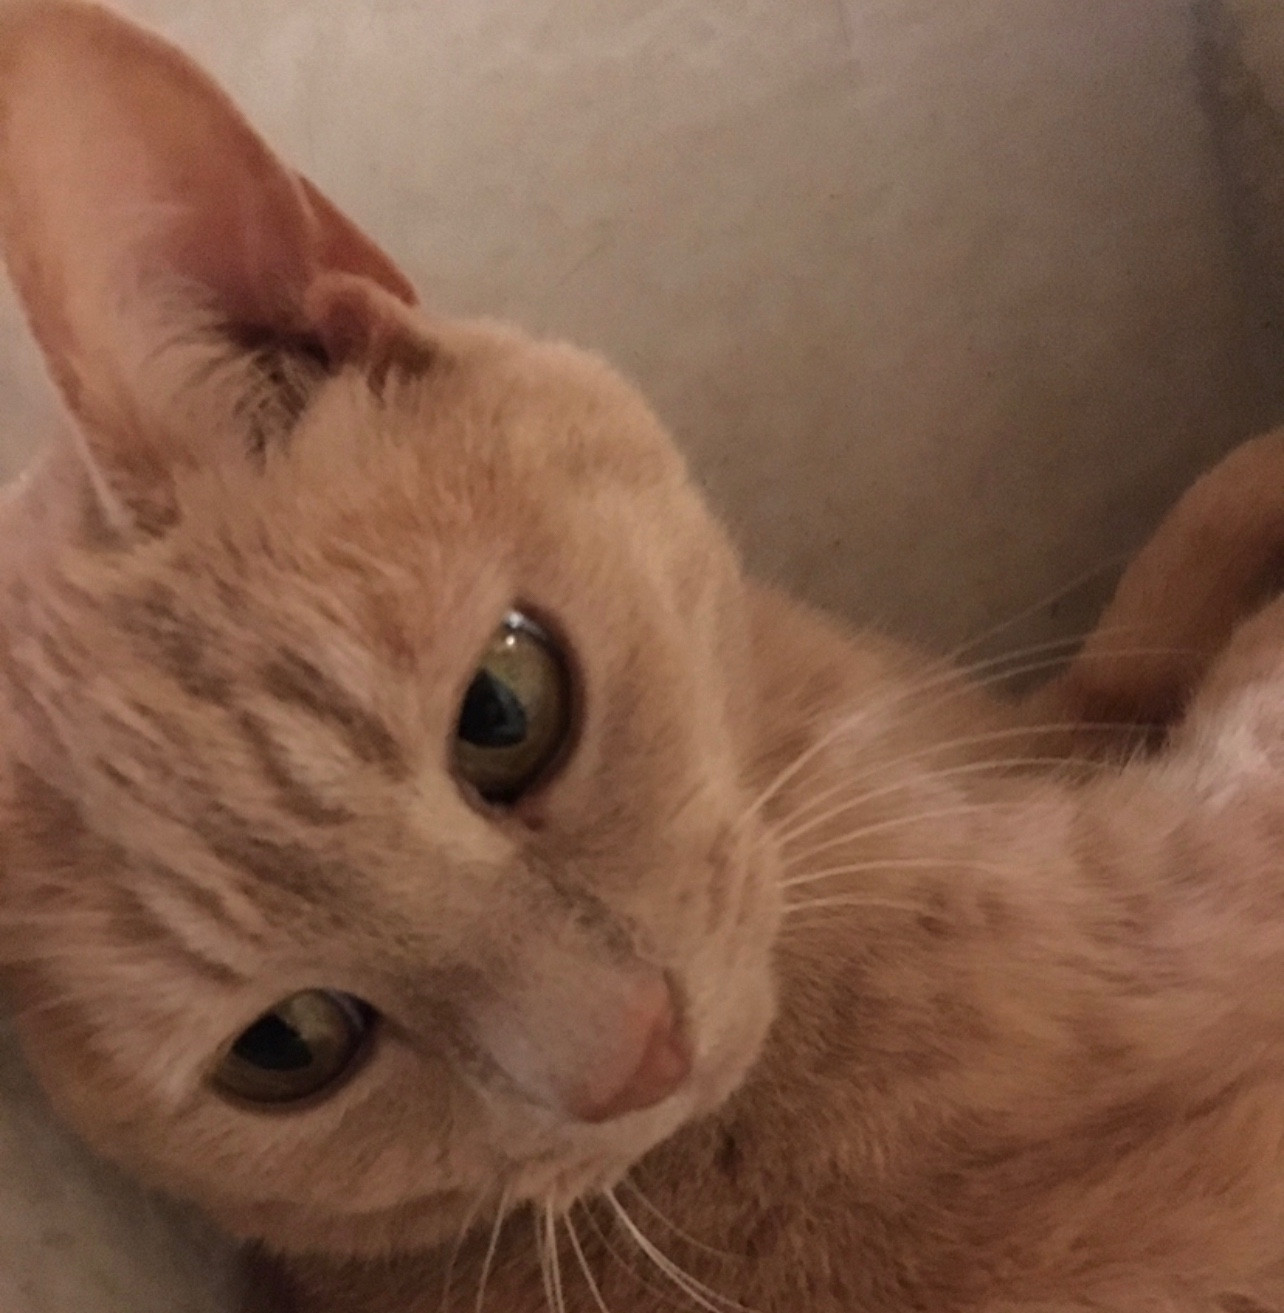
(411, 815)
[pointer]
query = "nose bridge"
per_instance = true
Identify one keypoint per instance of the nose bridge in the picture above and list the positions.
(547, 989)
(566, 966)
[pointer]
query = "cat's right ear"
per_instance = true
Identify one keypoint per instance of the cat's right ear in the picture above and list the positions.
(187, 289)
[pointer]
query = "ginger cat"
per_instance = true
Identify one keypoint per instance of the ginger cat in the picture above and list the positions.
(1029, 1050)
(423, 849)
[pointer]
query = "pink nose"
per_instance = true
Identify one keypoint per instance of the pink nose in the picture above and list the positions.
(650, 1060)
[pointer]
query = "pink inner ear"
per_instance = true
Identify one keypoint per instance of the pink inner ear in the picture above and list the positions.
(125, 173)
(252, 232)
(233, 223)
(344, 248)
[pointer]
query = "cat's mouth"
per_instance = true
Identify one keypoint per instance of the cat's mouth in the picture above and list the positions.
(727, 1055)
(524, 1154)
(594, 1159)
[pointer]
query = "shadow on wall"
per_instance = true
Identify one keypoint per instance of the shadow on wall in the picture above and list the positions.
(943, 298)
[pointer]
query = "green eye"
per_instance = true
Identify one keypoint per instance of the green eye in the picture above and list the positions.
(304, 1046)
(516, 716)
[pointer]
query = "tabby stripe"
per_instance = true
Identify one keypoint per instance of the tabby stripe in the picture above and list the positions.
(292, 793)
(292, 679)
(272, 863)
(137, 921)
(180, 643)
(204, 902)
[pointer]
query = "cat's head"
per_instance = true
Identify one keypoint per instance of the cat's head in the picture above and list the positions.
(374, 824)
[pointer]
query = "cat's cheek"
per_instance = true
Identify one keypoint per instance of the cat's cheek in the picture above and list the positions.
(732, 986)
(738, 1047)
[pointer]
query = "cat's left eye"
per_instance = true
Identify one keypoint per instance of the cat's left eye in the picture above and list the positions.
(515, 721)
(303, 1047)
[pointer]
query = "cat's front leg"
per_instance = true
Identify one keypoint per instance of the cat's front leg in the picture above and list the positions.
(1215, 558)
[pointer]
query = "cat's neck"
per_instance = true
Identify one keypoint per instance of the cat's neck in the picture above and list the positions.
(1059, 1036)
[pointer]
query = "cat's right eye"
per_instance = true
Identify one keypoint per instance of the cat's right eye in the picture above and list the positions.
(303, 1047)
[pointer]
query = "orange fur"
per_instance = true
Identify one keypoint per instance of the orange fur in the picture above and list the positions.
(975, 1022)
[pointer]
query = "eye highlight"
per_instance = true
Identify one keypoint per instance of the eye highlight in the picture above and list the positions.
(515, 720)
(303, 1047)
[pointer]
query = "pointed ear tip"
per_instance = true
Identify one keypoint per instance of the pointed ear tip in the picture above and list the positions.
(400, 286)
(347, 249)
(64, 41)
(74, 38)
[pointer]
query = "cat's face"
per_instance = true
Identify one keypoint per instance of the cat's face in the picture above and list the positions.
(376, 829)
(245, 773)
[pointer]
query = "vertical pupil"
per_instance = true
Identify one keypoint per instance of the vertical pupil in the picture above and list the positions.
(272, 1044)
(491, 717)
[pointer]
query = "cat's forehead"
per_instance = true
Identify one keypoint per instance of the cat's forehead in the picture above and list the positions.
(489, 397)
(487, 426)
(408, 518)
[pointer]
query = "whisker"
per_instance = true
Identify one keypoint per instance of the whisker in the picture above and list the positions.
(958, 683)
(1057, 649)
(958, 686)
(695, 1290)
(952, 690)
(893, 823)
(541, 1252)
(581, 1258)
(1085, 577)
(469, 1218)
(1006, 665)
(987, 672)
(554, 1260)
(1009, 665)
(536, 1220)
(663, 1295)
(897, 864)
(873, 904)
(941, 747)
(492, 1246)
(633, 1187)
(785, 837)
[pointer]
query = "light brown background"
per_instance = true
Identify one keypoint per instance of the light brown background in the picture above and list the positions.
(945, 299)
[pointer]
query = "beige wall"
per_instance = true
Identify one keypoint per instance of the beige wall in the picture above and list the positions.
(938, 294)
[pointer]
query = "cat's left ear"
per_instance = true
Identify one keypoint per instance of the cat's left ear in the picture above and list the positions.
(188, 289)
